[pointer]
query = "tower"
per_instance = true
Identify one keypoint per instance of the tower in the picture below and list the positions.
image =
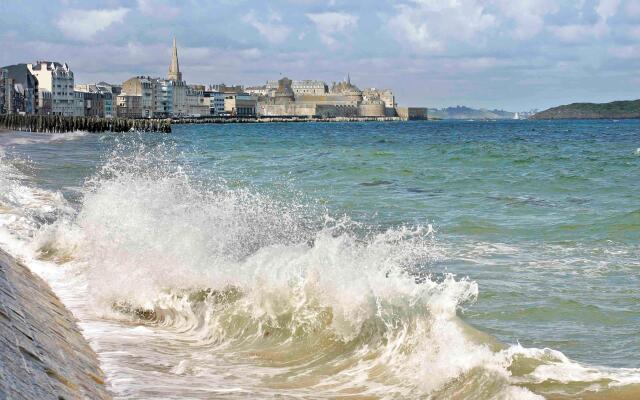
(174, 67)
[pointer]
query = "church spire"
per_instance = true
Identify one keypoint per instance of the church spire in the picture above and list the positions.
(174, 67)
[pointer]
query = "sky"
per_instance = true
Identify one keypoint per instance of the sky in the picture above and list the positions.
(508, 54)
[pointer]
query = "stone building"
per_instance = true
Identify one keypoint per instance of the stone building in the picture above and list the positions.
(231, 100)
(187, 100)
(343, 99)
(194, 104)
(174, 67)
(215, 101)
(57, 80)
(240, 105)
(114, 89)
(373, 95)
(78, 104)
(98, 100)
(258, 91)
(170, 97)
(129, 106)
(45, 103)
(164, 100)
(146, 89)
(348, 91)
(412, 113)
(157, 97)
(371, 108)
(303, 87)
(309, 87)
(389, 99)
(223, 88)
(21, 89)
(5, 91)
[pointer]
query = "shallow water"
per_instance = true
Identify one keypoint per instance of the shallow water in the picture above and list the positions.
(382, 260)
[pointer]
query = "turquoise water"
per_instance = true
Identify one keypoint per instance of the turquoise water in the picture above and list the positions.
(544, 217)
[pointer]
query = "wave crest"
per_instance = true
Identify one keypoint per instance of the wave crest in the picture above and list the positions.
(314, 304)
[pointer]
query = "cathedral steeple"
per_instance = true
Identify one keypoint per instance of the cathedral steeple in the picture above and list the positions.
(174, 67)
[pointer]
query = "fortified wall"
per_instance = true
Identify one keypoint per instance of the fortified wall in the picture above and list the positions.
(343, 100)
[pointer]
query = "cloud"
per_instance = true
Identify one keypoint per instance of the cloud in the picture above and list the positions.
(605, 10)
(452, 49)
(573, 33)
(328, 24)
(577, 33)
(625, 52)
(250, 54)
(632, 8)
(271, 29)
(429, 25)
(633, 32)
(528, 15)
(84, 24)
(158, 9)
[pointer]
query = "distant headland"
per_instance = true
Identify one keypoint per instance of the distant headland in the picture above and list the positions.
(629, 109)
(466, 113)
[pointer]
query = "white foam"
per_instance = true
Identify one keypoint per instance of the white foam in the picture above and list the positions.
(149, 238)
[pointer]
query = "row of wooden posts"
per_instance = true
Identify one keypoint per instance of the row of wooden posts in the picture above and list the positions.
(58, 123)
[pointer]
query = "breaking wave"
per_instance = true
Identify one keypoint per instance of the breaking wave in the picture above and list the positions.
(296, 300)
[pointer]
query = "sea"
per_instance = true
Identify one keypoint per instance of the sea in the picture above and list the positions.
(393, 260)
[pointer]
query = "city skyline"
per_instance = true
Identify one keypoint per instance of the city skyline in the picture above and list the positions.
(491, 54)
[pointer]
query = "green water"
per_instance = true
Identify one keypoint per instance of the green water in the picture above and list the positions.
(543, 216)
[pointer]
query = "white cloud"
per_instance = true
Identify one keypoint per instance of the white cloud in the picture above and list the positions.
(573, 33)
(329, 24)
(250, 54)
(84, 24)
(158, 9)
(528, 15)
(272, 29)
(428, 25)
(632, 8)
(605, 10)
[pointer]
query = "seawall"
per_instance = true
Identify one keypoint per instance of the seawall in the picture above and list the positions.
(43, 354)
(264, 119)
(57, 123)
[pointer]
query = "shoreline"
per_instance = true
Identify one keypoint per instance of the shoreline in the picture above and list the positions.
(249, 120)
(43, 353)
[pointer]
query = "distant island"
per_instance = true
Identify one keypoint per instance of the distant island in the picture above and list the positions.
(463, 112)
(614, 110)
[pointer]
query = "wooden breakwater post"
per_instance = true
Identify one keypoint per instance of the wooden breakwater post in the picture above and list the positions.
(59, 124)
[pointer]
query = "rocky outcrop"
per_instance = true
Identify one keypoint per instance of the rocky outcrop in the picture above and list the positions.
(43, 355)
(613, 110)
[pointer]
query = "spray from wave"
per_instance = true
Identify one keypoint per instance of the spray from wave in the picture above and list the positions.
(293, 300)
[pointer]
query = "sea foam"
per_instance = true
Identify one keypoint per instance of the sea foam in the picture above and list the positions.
(231, 282)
